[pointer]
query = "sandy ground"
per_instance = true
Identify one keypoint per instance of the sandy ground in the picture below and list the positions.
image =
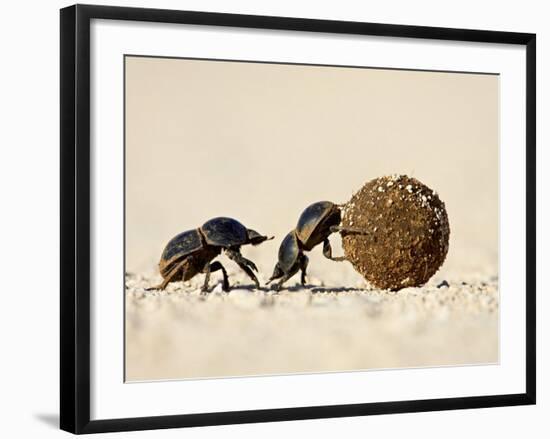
(180, 333)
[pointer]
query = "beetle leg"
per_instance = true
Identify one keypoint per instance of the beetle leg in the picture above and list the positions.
(160, 286)
(245, 265)
(169, 277)
(349, 230)
(215, 266)
(286, 277)
(206, 272)
(327, 251)
(304, 260)
(247, 262)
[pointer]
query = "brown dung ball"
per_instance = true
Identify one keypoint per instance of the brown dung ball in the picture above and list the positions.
(407, 232)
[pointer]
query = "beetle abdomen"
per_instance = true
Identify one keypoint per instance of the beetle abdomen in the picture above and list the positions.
(183, 244)
(320, 215)
(288, 252)
(224, 232)
(179, 247)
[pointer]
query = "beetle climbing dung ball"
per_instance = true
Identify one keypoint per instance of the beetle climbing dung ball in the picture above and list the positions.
(407, 232)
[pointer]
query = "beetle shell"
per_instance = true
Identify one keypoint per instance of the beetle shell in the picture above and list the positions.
(315, 222)
(182, 244)
(179, 247)
(224, 232)
(288, 252)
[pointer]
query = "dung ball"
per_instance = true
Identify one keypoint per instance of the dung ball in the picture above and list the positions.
(401, 232)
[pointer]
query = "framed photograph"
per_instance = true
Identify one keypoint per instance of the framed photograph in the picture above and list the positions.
(274, 218)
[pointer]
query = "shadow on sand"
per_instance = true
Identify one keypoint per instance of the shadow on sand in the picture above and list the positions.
(296, 288)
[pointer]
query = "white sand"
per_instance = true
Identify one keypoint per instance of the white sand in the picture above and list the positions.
(180, 333)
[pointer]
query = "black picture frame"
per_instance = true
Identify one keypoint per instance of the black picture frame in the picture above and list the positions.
(75, 217)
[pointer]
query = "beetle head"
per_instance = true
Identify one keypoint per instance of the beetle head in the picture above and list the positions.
(255, 238)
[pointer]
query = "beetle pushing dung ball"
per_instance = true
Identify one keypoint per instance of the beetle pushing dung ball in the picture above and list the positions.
(316, 223)
(395, 232)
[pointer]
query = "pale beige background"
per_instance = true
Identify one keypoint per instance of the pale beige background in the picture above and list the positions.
(259, 142)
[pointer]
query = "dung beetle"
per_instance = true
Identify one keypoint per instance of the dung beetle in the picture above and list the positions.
(316, 223)
(191, 252)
